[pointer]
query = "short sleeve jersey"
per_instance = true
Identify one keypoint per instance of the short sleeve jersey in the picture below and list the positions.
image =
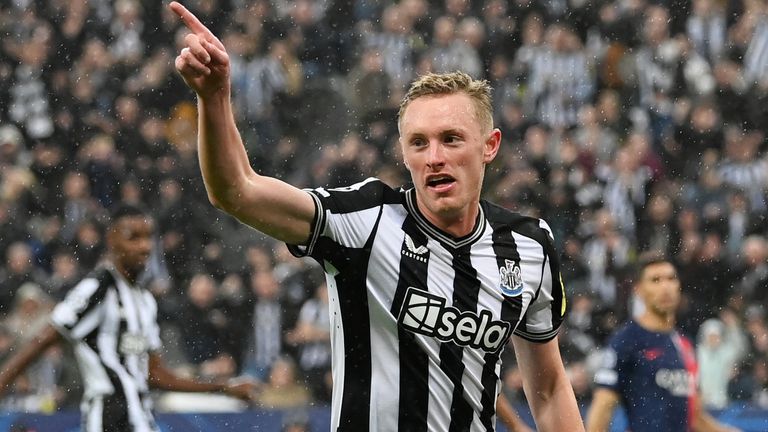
(654, 374)
(112, 326)
(418, 317)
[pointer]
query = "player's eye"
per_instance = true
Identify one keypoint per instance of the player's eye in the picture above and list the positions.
(450, 139)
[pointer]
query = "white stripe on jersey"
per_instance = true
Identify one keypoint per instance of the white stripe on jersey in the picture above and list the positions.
(95, 413)
(337, 227)
(337, 342)
(384, 341)
(88, 323)
(440, 386)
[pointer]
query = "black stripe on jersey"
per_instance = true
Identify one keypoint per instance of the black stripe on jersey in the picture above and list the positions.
(466, 288)
(353, 304)
(414, 364)
(122, 329)
(106, 280)
(115, 416)
(504, 248)
(367, 194)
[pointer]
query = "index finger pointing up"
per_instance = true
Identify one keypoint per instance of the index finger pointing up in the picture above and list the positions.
(194, 24)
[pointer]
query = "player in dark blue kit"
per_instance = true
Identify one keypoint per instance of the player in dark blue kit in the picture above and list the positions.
(649, 367)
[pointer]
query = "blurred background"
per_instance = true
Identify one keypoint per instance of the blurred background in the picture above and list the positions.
(629, 125)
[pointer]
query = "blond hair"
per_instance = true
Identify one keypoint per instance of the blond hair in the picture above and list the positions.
(449, 83)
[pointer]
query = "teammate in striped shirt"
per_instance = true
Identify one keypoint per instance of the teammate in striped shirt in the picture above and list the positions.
(111, 323)
(426, 284)
(649, 367)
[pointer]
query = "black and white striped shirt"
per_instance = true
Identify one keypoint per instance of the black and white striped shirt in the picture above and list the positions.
(756, 57)
(112, 326)
(419, 318)
(560, 84)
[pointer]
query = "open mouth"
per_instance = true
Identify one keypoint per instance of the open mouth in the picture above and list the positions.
(438, 181)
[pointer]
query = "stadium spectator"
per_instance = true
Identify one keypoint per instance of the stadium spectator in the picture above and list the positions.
(282, 388)
(19, 268)
(267, 325)
(203, 320)
(312, 336)
(720, 347)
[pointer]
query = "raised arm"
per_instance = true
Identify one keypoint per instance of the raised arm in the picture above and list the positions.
(27, 355)
(265, 203)
(546, 386)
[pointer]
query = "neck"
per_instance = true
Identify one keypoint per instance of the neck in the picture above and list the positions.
(128, 275)
(657, 322)
(455, 225)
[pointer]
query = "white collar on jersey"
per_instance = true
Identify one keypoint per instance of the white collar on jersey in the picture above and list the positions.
(431, 230)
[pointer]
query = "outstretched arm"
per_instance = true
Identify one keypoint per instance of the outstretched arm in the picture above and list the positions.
(546, 386)
(160, 377)
(265, 203)
(26, 356)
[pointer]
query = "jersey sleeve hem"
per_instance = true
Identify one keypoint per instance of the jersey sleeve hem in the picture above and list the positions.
(318, 223)
(538, 337)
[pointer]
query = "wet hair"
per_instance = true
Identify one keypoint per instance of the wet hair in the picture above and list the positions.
(449, 83)
(121, 210)
(648, 259)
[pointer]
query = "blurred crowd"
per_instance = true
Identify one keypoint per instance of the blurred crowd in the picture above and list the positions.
(629, 125)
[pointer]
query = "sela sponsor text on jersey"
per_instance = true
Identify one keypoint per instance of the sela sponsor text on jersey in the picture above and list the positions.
(427, 314)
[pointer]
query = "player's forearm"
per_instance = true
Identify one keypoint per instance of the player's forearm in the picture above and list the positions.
(162, 378)
(26, 356)
(223, 159)
(558, 411)
(174, 383)
(598, 419)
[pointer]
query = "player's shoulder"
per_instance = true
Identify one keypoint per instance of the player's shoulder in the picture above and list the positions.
(503, 218)
(502, 215)
(371, 192)
(101, 274)
(628, 334)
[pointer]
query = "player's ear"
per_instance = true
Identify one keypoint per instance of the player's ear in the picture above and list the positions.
(492, 145)
(402, 153)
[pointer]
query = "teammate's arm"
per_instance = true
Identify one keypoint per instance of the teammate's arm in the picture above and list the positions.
(600, 412)
(546, 386)
(162, 378)
(265, 203)
(27, 355)
(509, 417)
